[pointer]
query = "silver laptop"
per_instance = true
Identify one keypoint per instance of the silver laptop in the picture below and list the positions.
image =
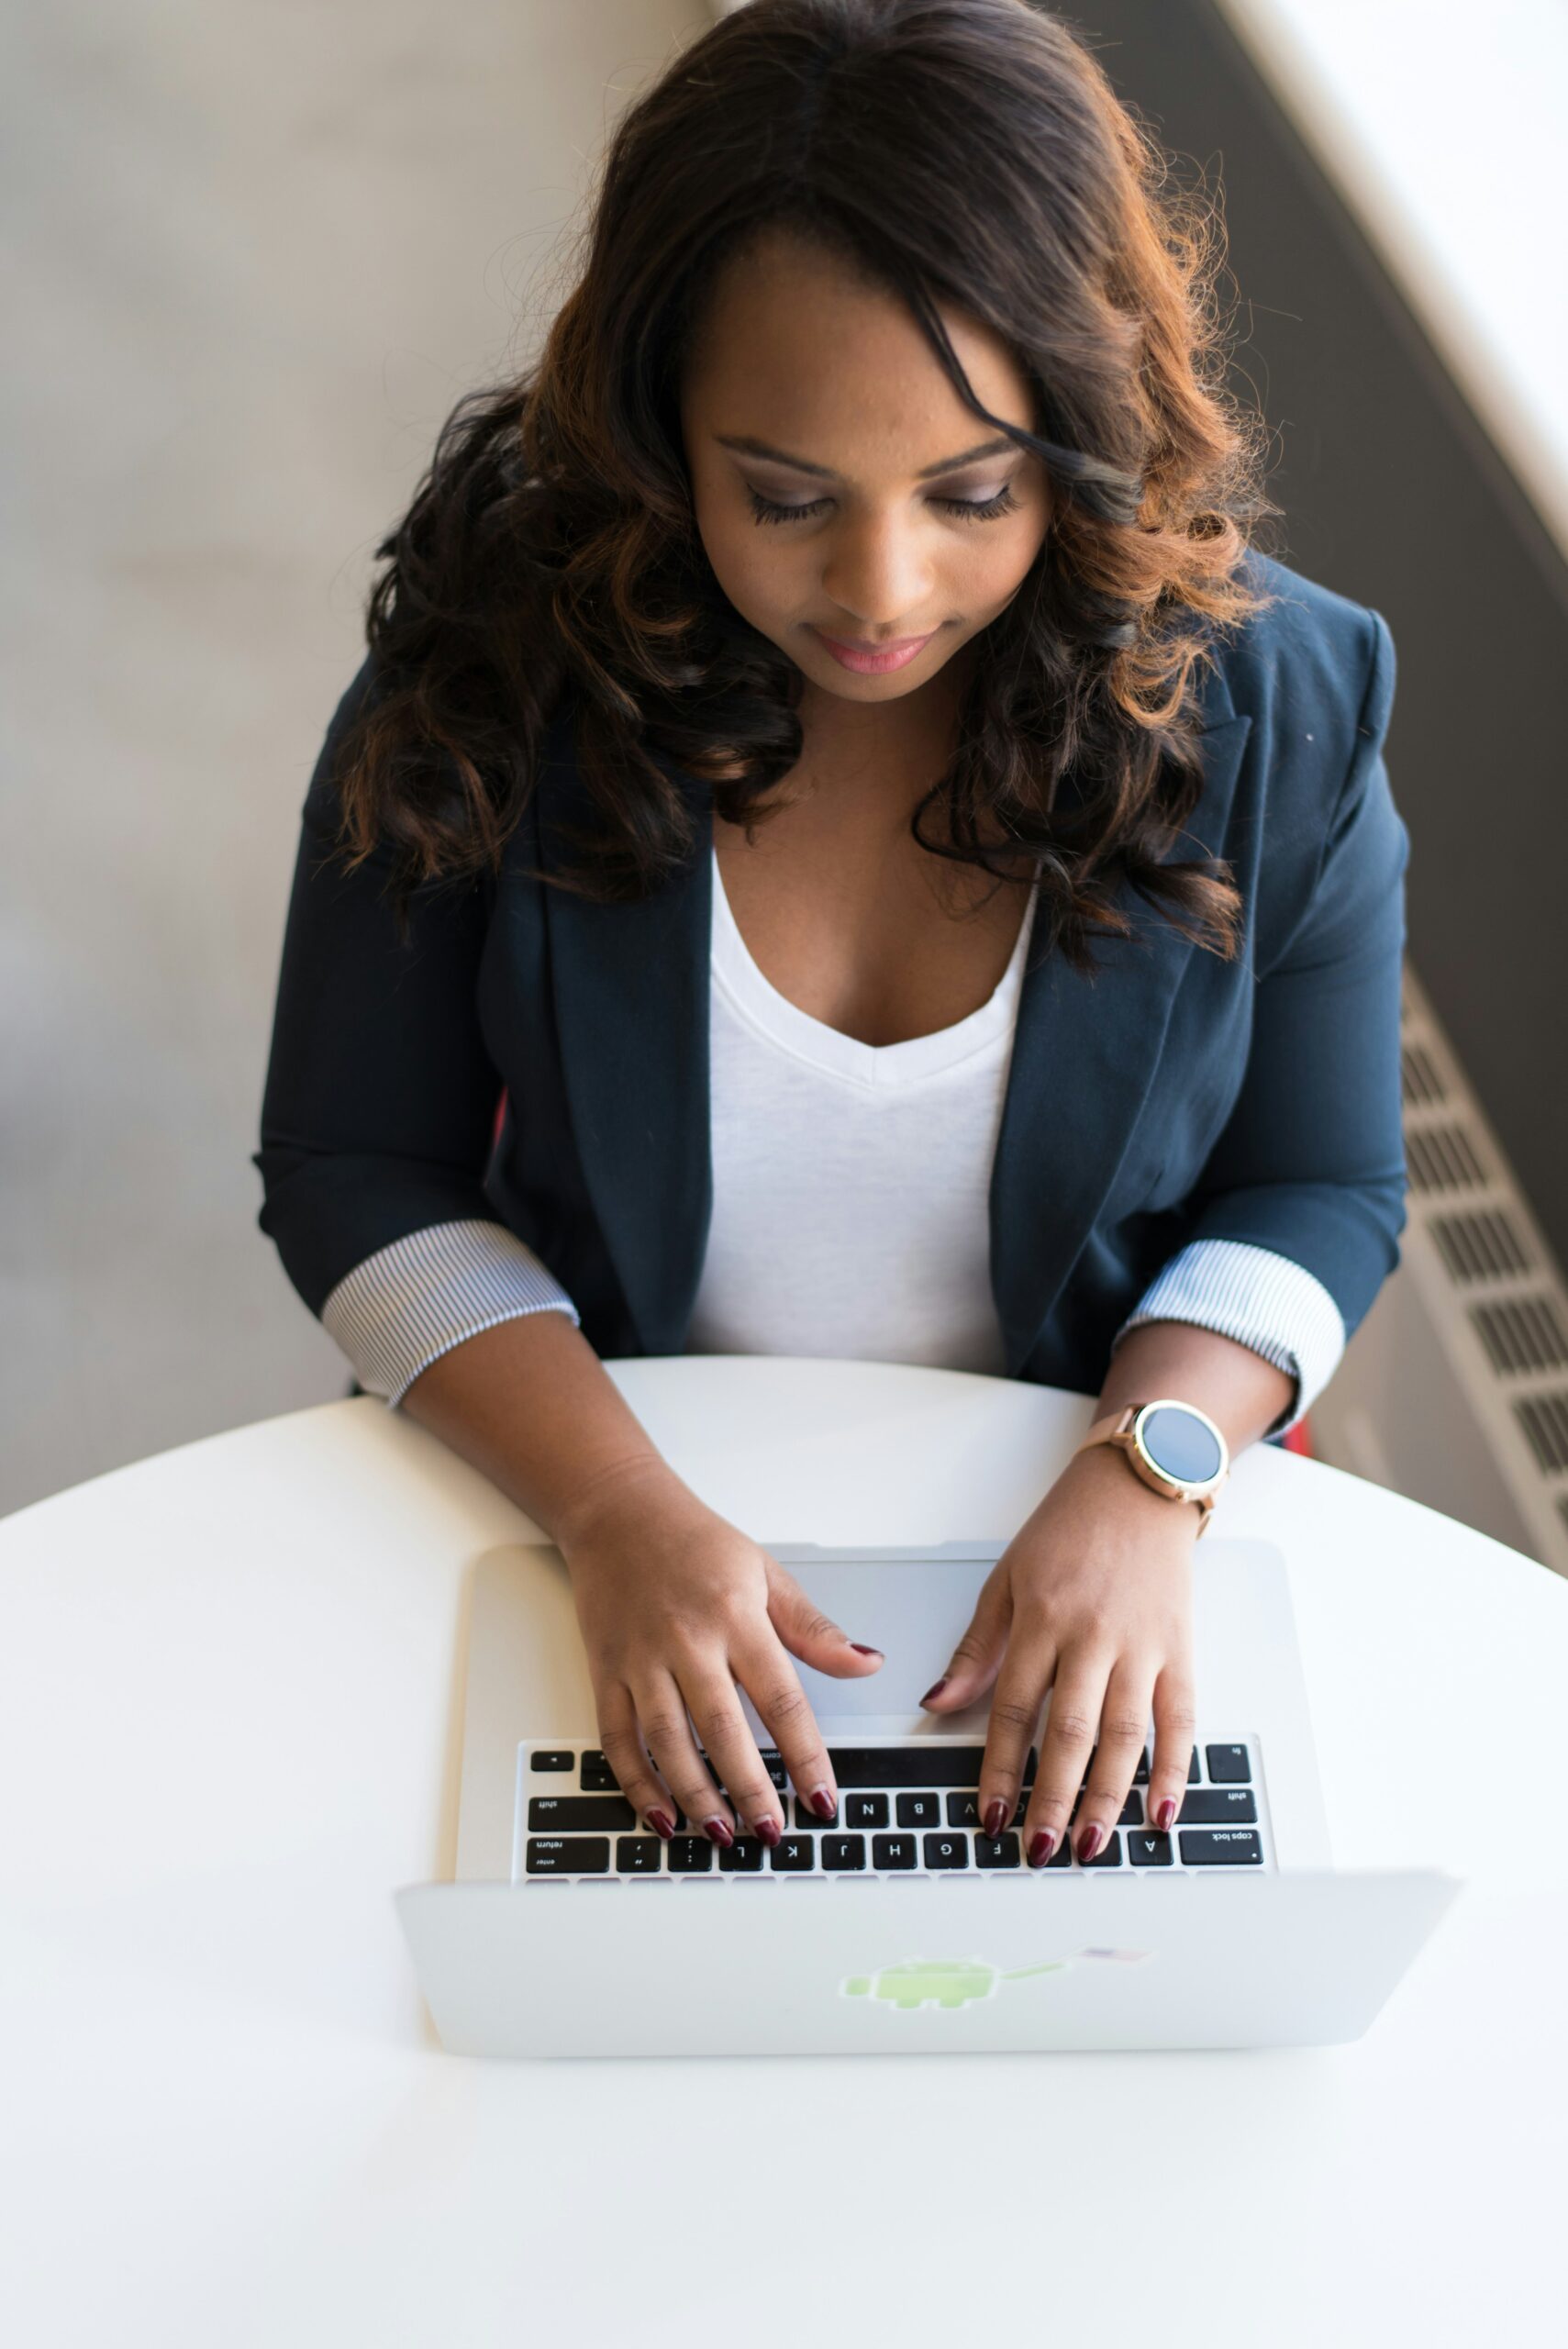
(898, 1927)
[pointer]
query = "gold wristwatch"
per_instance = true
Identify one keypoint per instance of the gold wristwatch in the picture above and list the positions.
(1172, 1447)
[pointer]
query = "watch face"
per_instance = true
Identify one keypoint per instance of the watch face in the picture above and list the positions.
(1180, 1445)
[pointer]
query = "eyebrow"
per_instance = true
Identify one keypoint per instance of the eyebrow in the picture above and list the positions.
(748, 446)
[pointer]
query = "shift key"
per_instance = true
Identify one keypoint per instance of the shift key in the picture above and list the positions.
(579, 1814)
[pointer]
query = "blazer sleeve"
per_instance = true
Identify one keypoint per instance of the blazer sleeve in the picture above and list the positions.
(1262, 1299)
(379, 1109)
(1311, 1162)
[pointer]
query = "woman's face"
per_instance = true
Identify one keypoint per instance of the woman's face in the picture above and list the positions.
(835, 488)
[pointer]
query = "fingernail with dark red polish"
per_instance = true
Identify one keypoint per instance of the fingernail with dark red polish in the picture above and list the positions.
(822, 1802)
(1093, 1838)
(1165, 1813)
(720, 1834)
(768, 1832)
(1041, 1847)
(661, 1823)
(996, 1817)
(863, 1651)
(936, 1688)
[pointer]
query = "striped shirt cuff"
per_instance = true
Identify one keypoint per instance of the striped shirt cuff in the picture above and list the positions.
(1265, 1301)
(400, 1310)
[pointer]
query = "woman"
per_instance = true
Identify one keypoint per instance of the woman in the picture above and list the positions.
(923, 884)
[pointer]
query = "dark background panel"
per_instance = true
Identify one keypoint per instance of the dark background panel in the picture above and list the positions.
(1393, 493)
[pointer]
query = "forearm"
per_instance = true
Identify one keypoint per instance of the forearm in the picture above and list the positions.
(530, 1404)
(1243, 1394)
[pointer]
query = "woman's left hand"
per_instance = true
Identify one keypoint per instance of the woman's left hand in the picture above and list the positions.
(1093, 1595)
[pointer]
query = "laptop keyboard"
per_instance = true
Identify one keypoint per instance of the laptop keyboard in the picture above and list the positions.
(905, 1808)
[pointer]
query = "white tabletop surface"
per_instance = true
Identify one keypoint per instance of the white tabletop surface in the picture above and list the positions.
(228, 1727)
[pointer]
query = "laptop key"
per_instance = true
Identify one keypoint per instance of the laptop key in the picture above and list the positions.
(1129, 1815)
(595, 1777)
(569, 1856)
(866, 1811)
(1109, 1858)
(1149, 1851)
(946, 1850)
(923, 1764)
(792, 1853)
(638, 1855)
(1191, 1768)
(1221, 1847)
(920, 1810)
(1140, 1775)
(551, 1758)
(997, 1852)
(744, 1857)
(773, 1763)
(963, 1810)
(843, 1852)
(1228, 1765)
(926, 1765)
(809, 1818)
(805, 1817)
(1217, 1807)
(893, 1851)
(690, 1854)
(561, 1814)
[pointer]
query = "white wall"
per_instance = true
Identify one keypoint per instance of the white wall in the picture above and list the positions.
(252, 251)
(1441, 128)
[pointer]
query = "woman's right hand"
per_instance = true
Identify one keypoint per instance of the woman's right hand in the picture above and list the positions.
(677, 1609)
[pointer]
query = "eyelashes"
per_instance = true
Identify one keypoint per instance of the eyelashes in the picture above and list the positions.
(764, 509)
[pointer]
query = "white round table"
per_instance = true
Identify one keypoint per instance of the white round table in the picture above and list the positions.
(230, 1720)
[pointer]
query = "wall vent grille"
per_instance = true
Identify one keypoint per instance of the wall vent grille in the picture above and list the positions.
(1496, 1307)
(1522, 1333)
(1423, 1084)
(1443, 1158)
(1479, 1247)
(1544, 1418)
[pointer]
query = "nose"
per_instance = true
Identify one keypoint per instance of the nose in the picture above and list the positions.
(878, 574)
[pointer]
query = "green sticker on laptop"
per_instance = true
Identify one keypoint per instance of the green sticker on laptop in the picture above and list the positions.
(957, 1981)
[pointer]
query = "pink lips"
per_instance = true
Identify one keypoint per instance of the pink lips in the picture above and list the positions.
(873, 660)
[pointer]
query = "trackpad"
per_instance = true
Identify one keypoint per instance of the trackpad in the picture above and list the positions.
(916, 1612)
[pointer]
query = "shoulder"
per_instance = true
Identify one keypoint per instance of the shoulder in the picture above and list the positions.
(1296, 709)
(1313, 670)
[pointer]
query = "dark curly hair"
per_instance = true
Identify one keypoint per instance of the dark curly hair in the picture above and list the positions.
(965, 151)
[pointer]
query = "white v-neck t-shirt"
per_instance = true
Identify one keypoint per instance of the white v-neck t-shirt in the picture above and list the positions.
(851, 1182)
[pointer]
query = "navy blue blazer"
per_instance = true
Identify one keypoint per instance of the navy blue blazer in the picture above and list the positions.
(1171, 1097)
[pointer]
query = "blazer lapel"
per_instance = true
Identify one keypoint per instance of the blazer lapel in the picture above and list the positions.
(630, 985)
(1084, 1055)
(631, 993)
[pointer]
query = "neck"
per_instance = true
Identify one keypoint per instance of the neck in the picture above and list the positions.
(880, 759)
